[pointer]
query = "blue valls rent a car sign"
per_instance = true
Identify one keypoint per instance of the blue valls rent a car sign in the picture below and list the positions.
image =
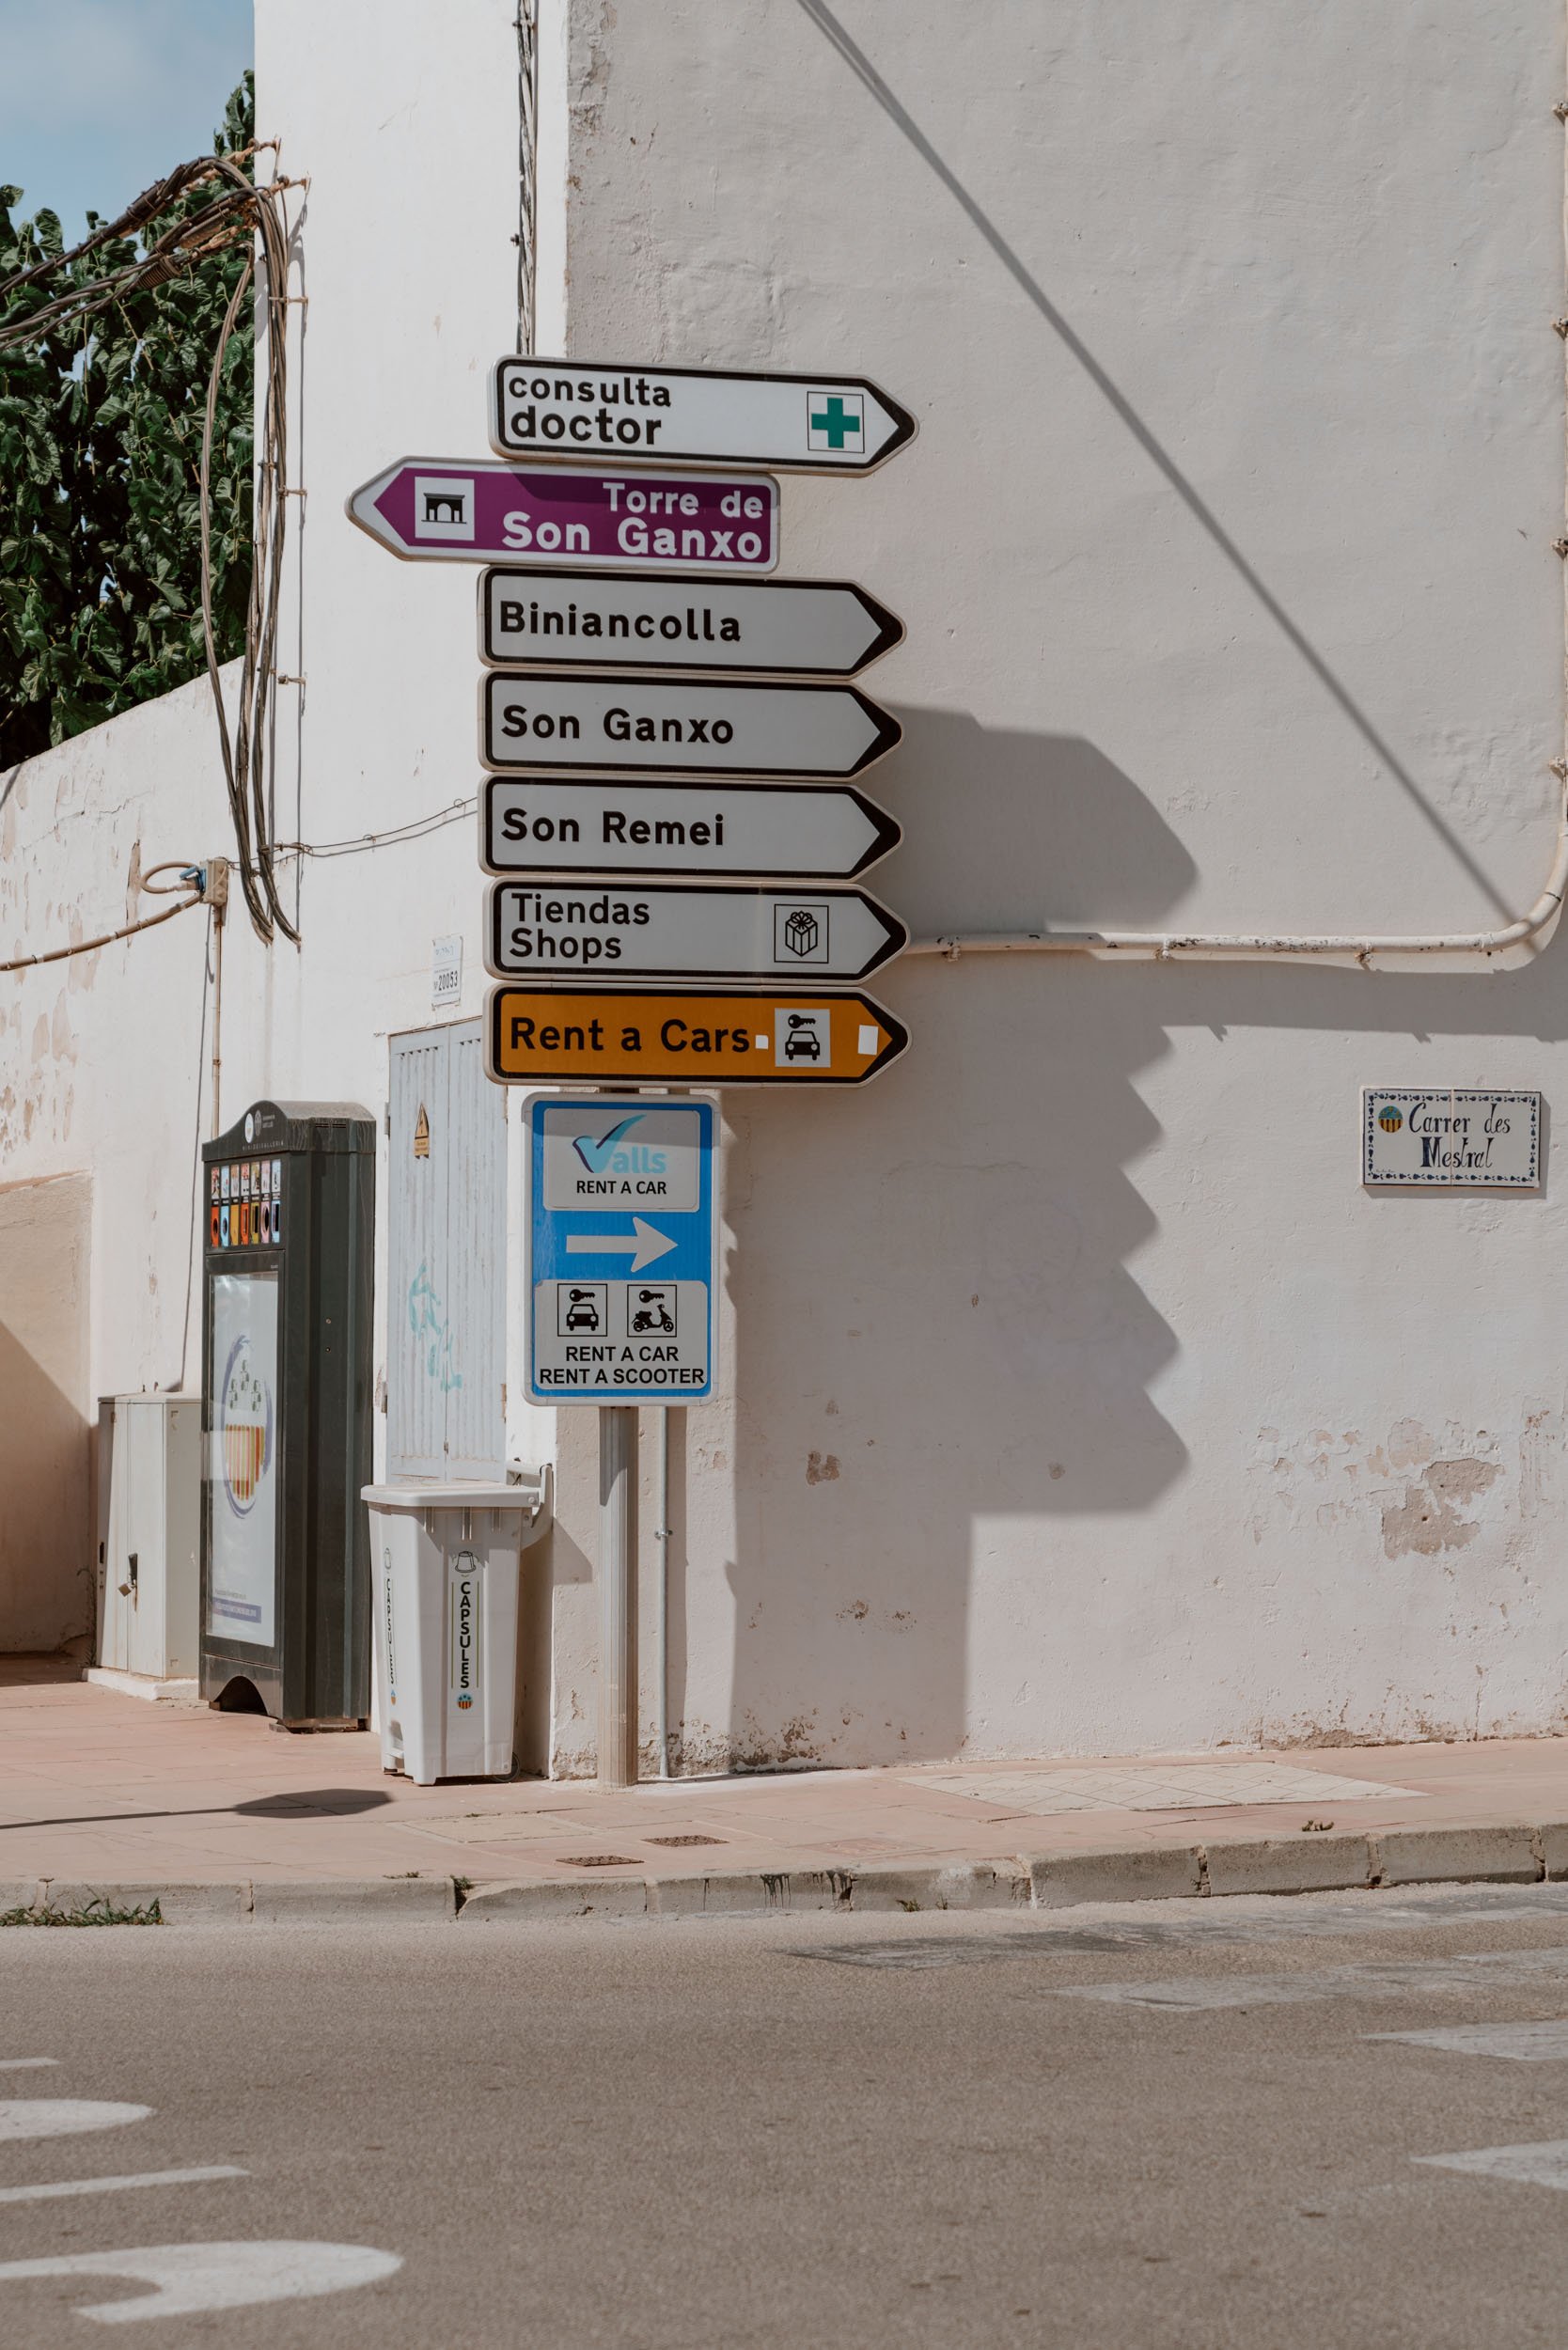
(622, 1243)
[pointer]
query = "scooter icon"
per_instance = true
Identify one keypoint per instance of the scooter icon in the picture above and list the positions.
(654, 1314)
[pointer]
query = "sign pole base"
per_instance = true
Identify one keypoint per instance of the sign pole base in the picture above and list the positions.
(617, 1611)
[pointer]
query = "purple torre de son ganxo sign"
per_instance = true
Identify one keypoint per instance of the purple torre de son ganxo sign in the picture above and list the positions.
(449, 510)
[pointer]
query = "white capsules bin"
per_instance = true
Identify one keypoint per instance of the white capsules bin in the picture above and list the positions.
(445, 1562)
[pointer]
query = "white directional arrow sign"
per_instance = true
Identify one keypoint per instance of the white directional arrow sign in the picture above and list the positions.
(604, 619)
(662, 725)
(642, 1244)
(804, 423)
(549, 826)
(555, 929)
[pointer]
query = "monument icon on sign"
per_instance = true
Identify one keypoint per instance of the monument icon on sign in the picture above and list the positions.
(444, 506)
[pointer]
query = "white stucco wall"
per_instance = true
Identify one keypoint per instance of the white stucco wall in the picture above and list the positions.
(104, 1066)
(1082, 1398)
(1078, 1399)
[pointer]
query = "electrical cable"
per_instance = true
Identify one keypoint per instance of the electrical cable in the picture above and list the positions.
(192, 1250)
(90, 946)
(527, 111)
(413, 831)
(245, 760)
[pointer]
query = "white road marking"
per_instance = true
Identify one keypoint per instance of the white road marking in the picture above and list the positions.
(192, 2278)
(129, 2177)
(1525, 2043)
(1371, 1979)
(63, 2117)
(1545, 2165)
(25, 2064)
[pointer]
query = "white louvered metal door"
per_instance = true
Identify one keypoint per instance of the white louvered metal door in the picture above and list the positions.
(446, 1409)
(477, 1258)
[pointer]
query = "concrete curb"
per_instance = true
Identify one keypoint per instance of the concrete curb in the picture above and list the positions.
(1147, 1872)
(1506, 1852)
(347, 1901)
(320, 1902)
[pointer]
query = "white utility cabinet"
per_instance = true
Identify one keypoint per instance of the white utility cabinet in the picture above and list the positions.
(153, 1553)
(446, 1560)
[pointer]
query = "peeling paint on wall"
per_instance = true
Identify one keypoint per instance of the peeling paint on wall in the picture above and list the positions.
(1429, 1517)
(1343, 1484)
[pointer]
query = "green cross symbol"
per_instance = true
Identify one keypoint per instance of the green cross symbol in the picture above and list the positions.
(837, 423)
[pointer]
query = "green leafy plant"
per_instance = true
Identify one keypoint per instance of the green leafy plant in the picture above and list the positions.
(100, 1911)
(100, 430)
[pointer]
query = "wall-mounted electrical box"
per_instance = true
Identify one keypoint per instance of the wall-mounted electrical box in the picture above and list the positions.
(150, 1617)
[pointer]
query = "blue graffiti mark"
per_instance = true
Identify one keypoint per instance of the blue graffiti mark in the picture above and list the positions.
(433, 1335)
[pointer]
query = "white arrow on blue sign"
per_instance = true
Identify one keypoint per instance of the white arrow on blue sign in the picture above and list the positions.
(642, 1244)
(618, 1185)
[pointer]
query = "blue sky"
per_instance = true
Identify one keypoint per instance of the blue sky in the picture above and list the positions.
(98, 97)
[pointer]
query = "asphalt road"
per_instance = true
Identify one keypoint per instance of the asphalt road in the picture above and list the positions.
(1173, 2124)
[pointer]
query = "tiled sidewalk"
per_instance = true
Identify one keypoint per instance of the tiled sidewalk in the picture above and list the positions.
(98, 1787)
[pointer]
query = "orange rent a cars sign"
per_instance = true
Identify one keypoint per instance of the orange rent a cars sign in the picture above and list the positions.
(697, 1036)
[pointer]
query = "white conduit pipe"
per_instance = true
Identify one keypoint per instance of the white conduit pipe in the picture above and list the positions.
(1174, 948)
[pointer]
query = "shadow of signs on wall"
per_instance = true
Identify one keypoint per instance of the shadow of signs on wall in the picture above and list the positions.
(936, 1328)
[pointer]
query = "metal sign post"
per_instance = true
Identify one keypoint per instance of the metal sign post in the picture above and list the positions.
(636, 659)
(621, 1262)
(618, 1595)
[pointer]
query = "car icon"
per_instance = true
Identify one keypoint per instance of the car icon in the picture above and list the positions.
(801, 1040)
(581, 1311)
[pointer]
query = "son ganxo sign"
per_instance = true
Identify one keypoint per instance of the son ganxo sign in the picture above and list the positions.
(658, 726)
(1460, 1137)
